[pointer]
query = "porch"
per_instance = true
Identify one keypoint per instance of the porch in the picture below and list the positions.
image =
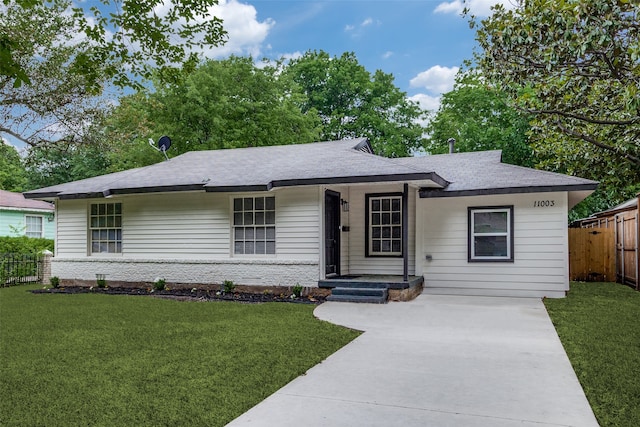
(372, 288)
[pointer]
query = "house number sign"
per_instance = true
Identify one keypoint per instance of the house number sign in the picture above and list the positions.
(544, 203)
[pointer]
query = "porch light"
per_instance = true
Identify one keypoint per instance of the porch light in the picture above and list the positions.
(345, 205)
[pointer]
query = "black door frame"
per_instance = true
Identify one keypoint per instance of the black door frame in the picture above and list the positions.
(331, 233)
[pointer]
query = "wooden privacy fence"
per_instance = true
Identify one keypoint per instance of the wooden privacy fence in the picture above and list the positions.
(626, 244)
(606, 246)
(591, 254)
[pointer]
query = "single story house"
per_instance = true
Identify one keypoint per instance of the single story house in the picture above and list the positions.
(321, 214)
(24, 217)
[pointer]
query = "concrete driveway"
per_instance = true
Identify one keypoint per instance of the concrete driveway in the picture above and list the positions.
(435, 361)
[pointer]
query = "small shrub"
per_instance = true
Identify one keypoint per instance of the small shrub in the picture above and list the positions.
(102, 283)
(55, 281)
(159, 284)
(25, 245)
(297, 290)
(228, 286)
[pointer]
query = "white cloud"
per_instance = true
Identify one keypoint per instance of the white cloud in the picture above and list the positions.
(426, 102)
(348, 28)
(366, 22)
(388, 54)
(477, 7)
(436, 79)
(245, 34)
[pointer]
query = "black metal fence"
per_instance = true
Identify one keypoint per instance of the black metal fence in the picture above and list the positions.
(16, 269)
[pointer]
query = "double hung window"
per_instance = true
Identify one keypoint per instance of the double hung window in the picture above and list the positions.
(105, 228)
(34, 227)
(384, 224)
(254, 225)
(491, 234)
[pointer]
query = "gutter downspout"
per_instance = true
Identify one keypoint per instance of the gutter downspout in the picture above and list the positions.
(405, 232)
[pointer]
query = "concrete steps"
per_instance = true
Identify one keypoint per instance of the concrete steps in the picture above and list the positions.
(373, 294)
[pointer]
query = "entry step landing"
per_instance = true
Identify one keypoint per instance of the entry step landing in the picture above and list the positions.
(374, 294)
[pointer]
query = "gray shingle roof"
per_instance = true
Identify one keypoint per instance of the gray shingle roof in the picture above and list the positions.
(477, 173)
(248, 169)
(331, 162)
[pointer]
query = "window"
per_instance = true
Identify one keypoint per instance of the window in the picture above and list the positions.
(33, 226)
(105, 228)
(491, 234)
(254, 225)
(384, 224)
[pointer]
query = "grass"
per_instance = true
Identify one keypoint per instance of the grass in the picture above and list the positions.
(105, 360)
(599, 326)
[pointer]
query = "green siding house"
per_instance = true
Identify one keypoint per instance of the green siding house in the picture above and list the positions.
(24, 217)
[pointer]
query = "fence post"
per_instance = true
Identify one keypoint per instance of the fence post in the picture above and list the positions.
(46, 266)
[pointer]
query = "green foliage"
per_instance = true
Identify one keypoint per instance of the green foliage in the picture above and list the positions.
(297, 290)
(165, 35)
(228, 286)
(354, 103)
(230, 103)
(159, 284)
(55, 282)
(118, 361)
(60, 163)
(598, 326)
(575, 66)
(25, 245)
(478, 116)
(57, 57)
(12, 173)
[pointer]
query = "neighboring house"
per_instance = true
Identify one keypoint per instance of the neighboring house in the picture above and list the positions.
(24, 217)
(301, 214)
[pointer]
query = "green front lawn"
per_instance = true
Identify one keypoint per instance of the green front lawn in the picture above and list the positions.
(106, 360)
(599, 326)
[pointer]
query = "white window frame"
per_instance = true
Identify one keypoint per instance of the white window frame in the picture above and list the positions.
(105, 228)
(508, 234)
(372, 225)
(253, 227)
(26, 225)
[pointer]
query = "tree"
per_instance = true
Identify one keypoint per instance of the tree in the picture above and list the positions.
(228, 103)
(56, 62)
(57, 164)
(575, 66)
(128, 39)
(353, 103)
(12, 173)
(477, 115)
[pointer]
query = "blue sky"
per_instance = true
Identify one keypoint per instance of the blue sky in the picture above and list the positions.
(420, 42)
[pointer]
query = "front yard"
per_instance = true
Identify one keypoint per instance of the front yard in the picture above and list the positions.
(119, 360)
(599, 326)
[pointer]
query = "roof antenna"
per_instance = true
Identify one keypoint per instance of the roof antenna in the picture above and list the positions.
(452, 142)
(163, 145)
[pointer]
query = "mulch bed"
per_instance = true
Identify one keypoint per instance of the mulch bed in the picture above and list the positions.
(187, 294)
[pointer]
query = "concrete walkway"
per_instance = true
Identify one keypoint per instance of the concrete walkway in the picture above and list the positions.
(435, 361)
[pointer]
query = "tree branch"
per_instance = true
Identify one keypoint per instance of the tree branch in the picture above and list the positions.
(591, 140)
(16, 135)
(585, 118)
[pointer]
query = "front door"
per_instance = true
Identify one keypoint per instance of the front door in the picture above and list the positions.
(332, 233)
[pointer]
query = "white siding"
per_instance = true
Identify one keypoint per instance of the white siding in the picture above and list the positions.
(358, 262)
(187, 238)
(298, 223)
(71, 233)
(182, 225)
(540, 263)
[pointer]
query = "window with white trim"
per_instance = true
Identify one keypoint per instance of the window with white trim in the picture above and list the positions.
(254, 225)
(105, 228)
(491, 234)
(33, 226)
(384, 224)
